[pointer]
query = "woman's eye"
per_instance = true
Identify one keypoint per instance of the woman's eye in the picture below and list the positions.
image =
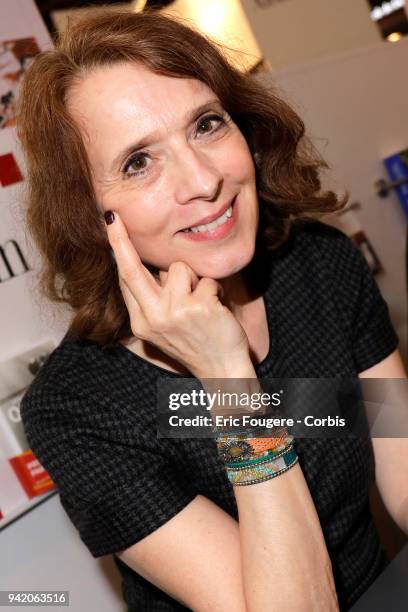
(207, 120)
(135, 163)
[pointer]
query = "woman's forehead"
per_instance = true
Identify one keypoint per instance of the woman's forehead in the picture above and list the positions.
(130, 88)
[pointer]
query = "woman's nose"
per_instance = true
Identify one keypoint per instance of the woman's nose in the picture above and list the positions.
(195, 176)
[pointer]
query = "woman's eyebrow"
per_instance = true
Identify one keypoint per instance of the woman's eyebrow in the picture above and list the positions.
(148, 139)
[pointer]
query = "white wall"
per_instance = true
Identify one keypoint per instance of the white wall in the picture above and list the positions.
(293, 31)
(25, 319)
(355, 109)
(42, 551)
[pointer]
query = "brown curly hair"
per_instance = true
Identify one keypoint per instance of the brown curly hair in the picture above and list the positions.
(62, 215)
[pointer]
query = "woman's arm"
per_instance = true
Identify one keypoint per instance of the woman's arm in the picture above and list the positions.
(274, 558)
(391, 454)
(203, 558)
(284, 558)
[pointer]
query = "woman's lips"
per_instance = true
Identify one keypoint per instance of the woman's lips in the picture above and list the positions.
(218, 232)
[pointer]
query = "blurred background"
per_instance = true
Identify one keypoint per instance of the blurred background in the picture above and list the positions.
(310, 29)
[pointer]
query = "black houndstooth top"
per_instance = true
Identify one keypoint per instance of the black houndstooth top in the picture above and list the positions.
(89, 416)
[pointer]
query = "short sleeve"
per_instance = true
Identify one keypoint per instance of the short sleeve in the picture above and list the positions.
(373, 334)
(116, 486)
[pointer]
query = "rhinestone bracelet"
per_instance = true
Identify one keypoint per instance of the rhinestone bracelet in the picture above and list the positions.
(250, 432)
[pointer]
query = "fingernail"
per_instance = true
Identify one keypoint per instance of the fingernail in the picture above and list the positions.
(109, 217)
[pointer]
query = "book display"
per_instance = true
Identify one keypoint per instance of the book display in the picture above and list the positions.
(23, 481)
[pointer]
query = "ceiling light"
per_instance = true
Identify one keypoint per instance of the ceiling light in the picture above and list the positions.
(394, 37)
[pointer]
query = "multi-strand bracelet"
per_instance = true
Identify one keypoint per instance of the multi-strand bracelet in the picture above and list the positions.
(249, 459)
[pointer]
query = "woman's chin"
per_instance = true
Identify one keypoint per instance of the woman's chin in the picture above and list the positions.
(220, 267)
(222, 270)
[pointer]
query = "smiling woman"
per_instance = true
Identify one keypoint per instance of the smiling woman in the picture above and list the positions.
(145, 92)
(174, 202)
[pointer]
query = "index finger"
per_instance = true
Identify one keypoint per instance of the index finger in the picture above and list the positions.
(131, 269)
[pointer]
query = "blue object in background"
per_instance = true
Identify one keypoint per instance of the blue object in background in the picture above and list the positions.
(397, 168)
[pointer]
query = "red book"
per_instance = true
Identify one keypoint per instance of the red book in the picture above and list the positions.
(31, 474)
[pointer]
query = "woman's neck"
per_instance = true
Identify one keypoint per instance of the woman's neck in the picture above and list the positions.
(237, 295)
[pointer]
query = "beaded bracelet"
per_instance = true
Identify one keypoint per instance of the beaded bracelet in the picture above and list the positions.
(252, 461)
(264, 457)
(233, 448)
(265, 471)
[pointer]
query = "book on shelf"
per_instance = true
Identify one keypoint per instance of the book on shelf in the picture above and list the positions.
(21, 473)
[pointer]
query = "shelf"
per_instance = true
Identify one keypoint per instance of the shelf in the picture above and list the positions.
(24, 508)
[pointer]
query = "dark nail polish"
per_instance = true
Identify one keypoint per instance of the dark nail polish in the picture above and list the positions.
(109, 217)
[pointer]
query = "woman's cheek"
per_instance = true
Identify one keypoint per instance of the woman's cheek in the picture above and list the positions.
(144, 218)
(238, 164)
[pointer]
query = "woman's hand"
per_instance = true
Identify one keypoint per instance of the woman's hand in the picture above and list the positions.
(178, 312)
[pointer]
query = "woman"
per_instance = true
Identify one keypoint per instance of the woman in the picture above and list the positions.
(138, 118)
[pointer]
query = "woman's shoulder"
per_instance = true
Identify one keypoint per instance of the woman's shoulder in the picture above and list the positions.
(322, 237)
(328, 248)
(77, 362)
(66, 359)
(72, 364)
(341, 275)
(326, 253)
(83, 380)
(316, 239)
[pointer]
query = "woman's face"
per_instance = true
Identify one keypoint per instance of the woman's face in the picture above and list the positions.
(165, 155)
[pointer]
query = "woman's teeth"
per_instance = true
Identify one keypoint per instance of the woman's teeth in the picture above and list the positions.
(212, 225)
